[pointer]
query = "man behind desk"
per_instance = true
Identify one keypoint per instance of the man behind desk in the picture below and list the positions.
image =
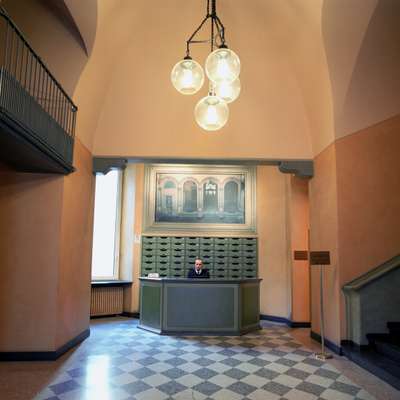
(198, 271)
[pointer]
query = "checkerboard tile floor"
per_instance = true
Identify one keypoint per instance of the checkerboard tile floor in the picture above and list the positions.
(120, 361)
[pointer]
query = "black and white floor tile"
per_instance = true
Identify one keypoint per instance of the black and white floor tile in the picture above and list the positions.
(120, 361)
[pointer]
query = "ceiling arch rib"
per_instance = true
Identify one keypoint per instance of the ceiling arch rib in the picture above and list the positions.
(373, 93)
(80, 17)
(344, 30)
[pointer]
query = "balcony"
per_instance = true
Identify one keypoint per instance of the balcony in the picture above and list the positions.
(37, 117)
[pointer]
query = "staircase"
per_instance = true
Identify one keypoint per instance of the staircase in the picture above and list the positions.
(381, 356)
(387, 345)
(372, 299)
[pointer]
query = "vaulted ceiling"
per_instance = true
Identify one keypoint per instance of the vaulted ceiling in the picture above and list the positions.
(312, 72)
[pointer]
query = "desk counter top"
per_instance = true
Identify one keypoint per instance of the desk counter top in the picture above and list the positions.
(199, 280)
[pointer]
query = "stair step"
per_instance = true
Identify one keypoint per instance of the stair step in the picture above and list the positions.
(383, 337)
(388, 350)
(394, 328)
(379, 365)
(374, 337)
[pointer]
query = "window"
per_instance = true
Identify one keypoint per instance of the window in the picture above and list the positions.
(106, 227)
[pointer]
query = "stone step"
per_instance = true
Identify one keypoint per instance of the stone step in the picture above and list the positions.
(383, 337)
(388, 350)
(394, 328)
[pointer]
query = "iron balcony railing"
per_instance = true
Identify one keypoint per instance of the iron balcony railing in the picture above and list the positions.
(30, 95)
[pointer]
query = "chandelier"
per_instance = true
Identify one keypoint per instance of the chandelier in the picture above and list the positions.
(222, 69)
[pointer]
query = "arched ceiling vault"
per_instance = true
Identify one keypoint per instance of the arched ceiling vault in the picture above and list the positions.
(84, 14)
(362, 43)
(306, 69)
(279, 44)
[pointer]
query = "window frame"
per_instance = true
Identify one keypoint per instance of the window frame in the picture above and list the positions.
(117, 238)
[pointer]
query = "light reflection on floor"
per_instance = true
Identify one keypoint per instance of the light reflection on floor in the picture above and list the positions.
(121, 362)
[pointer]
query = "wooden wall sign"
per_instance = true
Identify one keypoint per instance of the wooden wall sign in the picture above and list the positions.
(320, 258)
(300, 255)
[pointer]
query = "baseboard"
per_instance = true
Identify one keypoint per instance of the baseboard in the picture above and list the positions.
(131, 314)
(282, 320)
(298, 324)
(123, 314)
(44, 355)
(330, 345)
(274, 318)
(104, 316)
(288, 322)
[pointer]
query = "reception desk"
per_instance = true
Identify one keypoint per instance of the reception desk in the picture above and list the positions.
(199, 306)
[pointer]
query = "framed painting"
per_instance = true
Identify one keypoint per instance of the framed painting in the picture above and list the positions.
(211, 199)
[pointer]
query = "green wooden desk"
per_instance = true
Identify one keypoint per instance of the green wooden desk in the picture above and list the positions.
(199, 306)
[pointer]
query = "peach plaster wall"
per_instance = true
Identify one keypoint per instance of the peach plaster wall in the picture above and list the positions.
(354, 213)
(76, 248)
(299, 228)
(30, 225)
(45, 253)
(368, 175)
(324, 236)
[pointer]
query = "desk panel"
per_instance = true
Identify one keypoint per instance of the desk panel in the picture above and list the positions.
(199, 306)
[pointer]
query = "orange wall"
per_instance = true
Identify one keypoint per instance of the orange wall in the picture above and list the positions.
(30, 226)
(368, 174)
(299, 226)
(355, 208)
(324, 236)
(45, 253)
(76, 248)
(273, 242)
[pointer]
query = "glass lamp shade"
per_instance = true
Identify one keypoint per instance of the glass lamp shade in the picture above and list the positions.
(187, 76)
(228, 91)
(211, 113)
(222, 65)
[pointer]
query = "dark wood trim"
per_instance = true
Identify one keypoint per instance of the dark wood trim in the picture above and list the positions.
(330, 345)
(44, 355)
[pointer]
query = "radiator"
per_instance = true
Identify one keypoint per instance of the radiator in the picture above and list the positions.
(106, 300)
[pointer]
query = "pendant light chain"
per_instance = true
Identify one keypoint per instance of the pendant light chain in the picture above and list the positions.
(222, 69)
(212, 25)
(215, 24)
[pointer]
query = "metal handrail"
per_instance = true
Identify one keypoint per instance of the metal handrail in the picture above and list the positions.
(27, 68)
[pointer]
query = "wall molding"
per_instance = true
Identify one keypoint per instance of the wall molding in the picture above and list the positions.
(44, 355)
(301, 168)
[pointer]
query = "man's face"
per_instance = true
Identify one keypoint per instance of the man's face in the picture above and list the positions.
(198, 264)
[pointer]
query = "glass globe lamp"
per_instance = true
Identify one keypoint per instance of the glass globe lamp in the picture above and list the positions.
(187, 76)
(228, 91)
(222, 65)
(211, 113)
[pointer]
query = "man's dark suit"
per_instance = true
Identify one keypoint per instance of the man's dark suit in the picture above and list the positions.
(204, 274)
